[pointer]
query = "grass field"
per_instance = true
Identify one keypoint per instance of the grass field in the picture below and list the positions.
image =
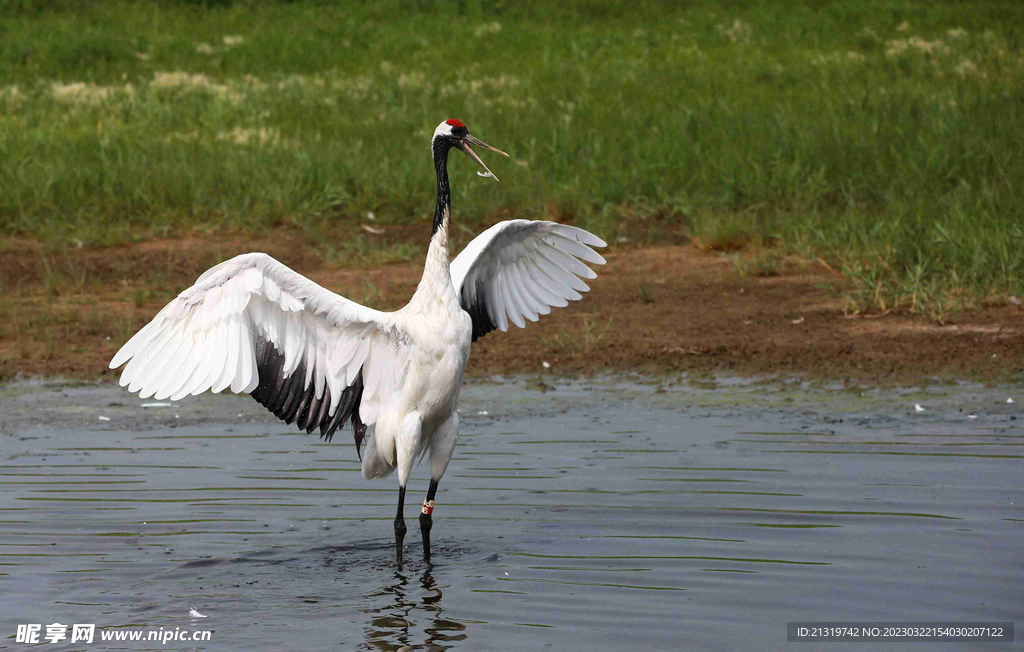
(884, 138)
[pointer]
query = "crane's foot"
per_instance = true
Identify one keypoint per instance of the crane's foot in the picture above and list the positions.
(400, 526)
(399, 539)
(426, 518)
(425, 524)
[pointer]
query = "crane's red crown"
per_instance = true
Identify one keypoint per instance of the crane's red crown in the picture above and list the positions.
(455, 122)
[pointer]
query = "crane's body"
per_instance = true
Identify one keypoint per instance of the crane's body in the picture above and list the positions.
(425, 419)
(316, 359)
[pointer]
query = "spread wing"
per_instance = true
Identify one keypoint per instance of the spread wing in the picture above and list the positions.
(255, 326)
(520, 269)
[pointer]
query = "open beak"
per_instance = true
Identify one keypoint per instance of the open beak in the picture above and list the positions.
(465, 142)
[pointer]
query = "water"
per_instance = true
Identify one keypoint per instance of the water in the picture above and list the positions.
(613, 515)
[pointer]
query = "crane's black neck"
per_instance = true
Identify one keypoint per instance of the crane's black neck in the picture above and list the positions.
(444, 194)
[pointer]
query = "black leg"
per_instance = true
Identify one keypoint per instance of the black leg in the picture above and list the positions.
(426, 520)
(400, 525)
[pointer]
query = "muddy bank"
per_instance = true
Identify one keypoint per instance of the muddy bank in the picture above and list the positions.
(656, 310)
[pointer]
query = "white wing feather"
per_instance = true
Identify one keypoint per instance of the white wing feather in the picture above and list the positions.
(205, 338)
(518, 270)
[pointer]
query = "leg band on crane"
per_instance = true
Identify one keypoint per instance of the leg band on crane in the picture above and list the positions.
(428, 507)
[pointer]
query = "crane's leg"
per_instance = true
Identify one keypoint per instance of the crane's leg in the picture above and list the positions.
(406, 445)
(400, 524)
(426, 520)
(442, 446)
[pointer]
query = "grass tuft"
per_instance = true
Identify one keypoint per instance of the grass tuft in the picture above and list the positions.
(882, 137)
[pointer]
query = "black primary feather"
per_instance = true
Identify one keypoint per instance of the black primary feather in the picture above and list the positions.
(292, 401)
(477, 309)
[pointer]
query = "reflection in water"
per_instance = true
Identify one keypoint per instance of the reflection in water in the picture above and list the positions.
(405, 617)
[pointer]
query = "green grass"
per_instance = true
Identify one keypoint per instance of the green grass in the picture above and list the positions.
(886, 137)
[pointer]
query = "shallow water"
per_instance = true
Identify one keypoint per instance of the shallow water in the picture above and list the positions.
(615, 515)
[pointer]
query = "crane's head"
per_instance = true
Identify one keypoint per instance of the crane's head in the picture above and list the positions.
(452, 133)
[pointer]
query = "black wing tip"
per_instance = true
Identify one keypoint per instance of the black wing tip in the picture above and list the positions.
(290, 399)
(482, 322)
(358, 433)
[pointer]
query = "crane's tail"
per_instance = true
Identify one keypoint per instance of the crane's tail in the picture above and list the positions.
(374, 465)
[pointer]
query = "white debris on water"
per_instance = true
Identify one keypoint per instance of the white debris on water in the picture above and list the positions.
(483, 413)
(157, 404)
(1009, 400)
(195, 614)
(546, 364)
(972, 416)
(104, 418)
(918, 408)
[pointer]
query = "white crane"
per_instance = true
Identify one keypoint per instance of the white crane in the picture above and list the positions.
(314, 358)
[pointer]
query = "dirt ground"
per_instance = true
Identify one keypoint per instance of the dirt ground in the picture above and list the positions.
(659, 309)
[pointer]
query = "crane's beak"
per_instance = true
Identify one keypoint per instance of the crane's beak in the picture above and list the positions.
(465, 142)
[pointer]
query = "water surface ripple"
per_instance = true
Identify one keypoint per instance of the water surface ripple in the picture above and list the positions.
(586, 522)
